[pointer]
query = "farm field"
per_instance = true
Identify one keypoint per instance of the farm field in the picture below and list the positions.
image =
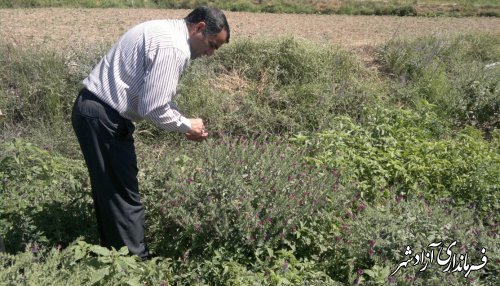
(62, 27)
(338, 144)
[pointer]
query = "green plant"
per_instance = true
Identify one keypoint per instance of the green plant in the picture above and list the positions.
(454, 73)
(45, 199)
(351, 7)
(38, 88)
(38, 84)
(234, 195)
(82, 264)
(399, 152)
(379, 235)
(279, 87)
(337, 206)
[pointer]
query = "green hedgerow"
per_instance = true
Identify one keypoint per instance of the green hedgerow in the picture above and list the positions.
(277, 87)
(459, 74)
(45, 199)
(239, 195)
(400, 152)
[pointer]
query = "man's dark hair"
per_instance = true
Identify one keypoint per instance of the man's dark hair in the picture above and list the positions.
(214, 18)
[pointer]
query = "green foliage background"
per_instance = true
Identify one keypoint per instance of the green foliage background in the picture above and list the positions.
(319, 170)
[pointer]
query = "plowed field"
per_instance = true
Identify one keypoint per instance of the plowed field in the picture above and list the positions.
(63, 28)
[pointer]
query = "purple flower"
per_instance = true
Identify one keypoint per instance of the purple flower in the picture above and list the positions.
(361, 207)
(476, 231)
(350, 214)
(285, 265)
(360, 272)
(398, 199)
(372, 243)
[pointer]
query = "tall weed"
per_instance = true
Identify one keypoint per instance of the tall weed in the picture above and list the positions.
(233, 194)
(459, 74)
(45, 199)
(218, 213)
(276, 87)
(403, 153)
(37, 90)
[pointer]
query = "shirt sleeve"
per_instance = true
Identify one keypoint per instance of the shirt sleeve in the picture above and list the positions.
(163, 69)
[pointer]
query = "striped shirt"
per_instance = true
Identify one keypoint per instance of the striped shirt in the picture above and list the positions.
(138, 77)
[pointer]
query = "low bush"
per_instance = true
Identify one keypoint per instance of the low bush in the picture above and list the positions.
(242, 196)
(276, 87)
(402, 153)
(45, 199)
(459, 74)
(37, 91)
(249, 88)
(337, 205)
(216, 214)
(82, 264)
(37, 85)
(377, 8)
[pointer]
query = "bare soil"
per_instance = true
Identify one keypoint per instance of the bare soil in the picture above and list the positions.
(63, 28)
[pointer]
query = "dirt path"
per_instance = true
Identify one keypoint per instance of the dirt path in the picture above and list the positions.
(62, 28)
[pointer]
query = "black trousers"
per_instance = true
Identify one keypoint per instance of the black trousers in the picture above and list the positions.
(108, 148)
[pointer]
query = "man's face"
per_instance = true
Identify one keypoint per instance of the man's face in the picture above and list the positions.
(205, 45)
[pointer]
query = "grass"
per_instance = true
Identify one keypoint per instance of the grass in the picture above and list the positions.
(452, 73)
(275, 85)
(319, 170)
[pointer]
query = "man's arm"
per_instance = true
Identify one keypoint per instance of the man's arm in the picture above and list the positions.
(163, 71)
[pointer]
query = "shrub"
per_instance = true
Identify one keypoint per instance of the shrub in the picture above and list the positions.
(218, 211)
(82, 264)
(397, 152)
(276, 87)
(337, 207)
(454, 73)
(44, 199)
(351, 7)
(376, 238)
(37, 85)
(37, 90)
(242, 196)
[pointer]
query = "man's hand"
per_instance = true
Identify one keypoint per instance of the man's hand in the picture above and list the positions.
(197, 138)
(197, 132)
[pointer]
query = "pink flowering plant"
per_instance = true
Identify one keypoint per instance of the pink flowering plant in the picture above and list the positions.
(237, 194)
